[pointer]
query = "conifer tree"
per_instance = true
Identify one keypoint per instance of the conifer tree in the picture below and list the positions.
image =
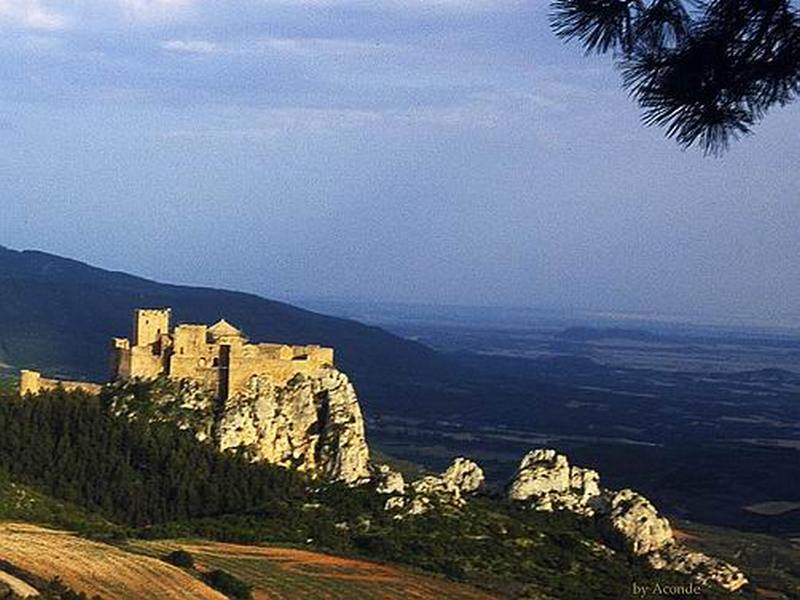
(705, 70)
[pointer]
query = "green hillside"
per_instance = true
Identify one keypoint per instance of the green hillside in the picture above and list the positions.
(156, 482)
(59, 315)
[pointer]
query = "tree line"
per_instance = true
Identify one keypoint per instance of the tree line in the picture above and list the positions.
(133, 473)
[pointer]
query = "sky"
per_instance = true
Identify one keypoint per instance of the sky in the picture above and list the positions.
(439, 151)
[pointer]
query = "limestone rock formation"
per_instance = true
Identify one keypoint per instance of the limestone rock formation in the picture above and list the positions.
(449, 489)
(388, 481)
(313, 423)
(546, 481)
(704, 569)
(464, 475)
(634, 521)
(461, 478)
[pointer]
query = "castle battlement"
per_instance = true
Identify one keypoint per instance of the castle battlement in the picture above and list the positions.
(218, 356)
(32, 382)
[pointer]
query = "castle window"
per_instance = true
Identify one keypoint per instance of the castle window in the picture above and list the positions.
(181, 350)
(215, 362)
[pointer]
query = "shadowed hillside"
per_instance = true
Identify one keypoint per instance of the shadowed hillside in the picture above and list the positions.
(59, 315)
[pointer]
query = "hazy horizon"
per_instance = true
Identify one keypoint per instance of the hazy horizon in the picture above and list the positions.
(449, 153)
(377, 311)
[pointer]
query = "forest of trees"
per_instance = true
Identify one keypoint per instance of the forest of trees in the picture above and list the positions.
(133, 473)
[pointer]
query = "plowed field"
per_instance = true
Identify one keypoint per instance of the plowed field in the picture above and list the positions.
(275, 573)
(289, 574)
(97, 568)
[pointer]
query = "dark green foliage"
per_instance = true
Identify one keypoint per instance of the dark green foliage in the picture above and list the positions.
(228, 584)
(132, 472)
(492, 544)
(170, 485)
(23, 503)
(56, 589)
(706, 71)
(180, 558)
(8, 385)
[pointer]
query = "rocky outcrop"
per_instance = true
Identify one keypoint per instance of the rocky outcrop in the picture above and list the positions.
(634, 524)
(629, 522)
(312, 423)
(448, 489)
(388, 481)
(704, 569)
(463, 477)
(547, 482)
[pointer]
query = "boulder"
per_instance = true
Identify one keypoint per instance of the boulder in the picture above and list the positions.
(547, 482)
(632, 523)
(446, 490)
(464, 475)
(388, 481)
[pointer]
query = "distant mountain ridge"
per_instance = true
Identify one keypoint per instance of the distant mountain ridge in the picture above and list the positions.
(59, 315)
(600, 334)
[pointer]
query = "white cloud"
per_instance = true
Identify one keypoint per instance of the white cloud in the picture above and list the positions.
(152, 9)
(311, 46)
(302, 47)
(473, 113)
(30, 14)
(190, 46)
(415, 5)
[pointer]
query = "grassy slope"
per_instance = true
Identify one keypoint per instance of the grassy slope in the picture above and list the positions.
(275, 573)
(279, 572)
(771, 563)
(23, 503)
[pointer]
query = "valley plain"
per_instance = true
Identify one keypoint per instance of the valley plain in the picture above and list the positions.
(711, 413)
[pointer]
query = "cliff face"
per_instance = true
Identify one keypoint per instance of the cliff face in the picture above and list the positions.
(313, 423)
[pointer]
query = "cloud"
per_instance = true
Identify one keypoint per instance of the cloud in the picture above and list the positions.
(30, 14)
(318, 45)
(191, 46)
(476, 111)
(301, 47)
(411, 5)
(152, 9)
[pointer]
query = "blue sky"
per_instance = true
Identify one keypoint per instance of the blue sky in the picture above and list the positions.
(447, 151)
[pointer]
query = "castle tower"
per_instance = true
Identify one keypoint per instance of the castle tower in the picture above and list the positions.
(30, 382)
(149, 324)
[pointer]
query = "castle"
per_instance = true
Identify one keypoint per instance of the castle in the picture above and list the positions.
(219, 357)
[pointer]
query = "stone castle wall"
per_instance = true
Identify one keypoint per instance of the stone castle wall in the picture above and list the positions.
(219, 357)
(32, 382)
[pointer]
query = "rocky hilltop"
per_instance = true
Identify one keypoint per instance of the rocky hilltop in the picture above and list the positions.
(545, 481)
(312, 423)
